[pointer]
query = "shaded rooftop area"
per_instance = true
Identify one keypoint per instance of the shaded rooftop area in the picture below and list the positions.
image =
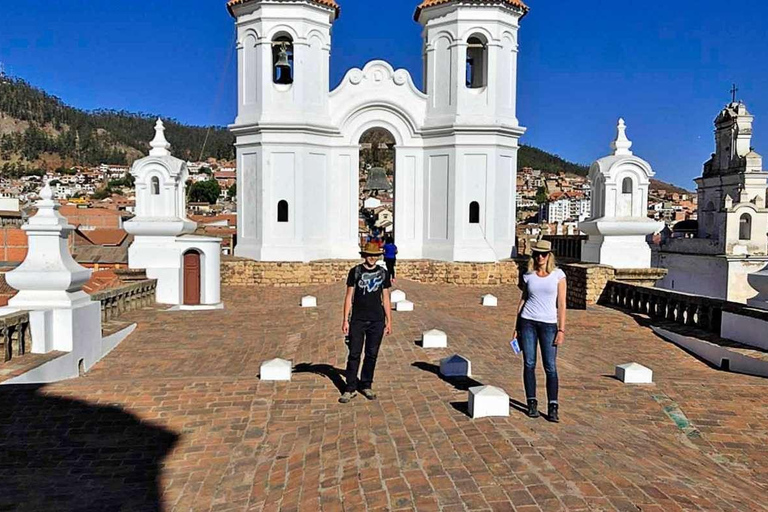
(175, 418)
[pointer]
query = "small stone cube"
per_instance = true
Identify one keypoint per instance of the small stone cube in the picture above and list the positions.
(309, 302)
(404, 305)
(434, 339)
(490, 301)
(634, 373)
(487, 401)
(396, 296)
(276, 369)
(455, 366)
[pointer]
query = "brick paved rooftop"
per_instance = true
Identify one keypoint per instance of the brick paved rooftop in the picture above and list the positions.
(175, 418)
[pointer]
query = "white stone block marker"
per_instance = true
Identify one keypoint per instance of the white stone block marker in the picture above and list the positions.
(487, 401)
(309, 302)
(276, 369)
(455, 366)
(634, 373)
(396, 296)
(434, 339)
(490, 301)
(404, 305)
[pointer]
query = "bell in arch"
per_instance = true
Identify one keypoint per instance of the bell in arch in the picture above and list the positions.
(282, 63)
(377, 180)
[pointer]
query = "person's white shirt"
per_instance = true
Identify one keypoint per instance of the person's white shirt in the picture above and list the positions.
(541, 303)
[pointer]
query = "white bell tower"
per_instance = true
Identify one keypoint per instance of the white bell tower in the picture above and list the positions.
(471, 129)
(282, 126)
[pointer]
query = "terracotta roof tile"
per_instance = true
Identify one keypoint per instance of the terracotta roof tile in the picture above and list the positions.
(432, 3)
(328, 3)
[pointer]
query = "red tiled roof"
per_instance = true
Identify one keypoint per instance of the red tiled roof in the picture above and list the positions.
(104, 236)
(101, 280)
(328, 3)
(431, 3)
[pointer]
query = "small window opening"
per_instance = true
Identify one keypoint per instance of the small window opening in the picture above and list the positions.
(477, 63)
(282, 60)
(626, 186)
(474, 212)
(155, 186)
(745, 227)
(282, 211)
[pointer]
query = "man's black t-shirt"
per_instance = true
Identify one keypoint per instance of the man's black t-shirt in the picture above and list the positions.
(367, 304)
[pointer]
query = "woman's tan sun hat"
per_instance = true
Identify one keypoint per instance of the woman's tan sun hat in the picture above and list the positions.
(371, 249)
(541, 246)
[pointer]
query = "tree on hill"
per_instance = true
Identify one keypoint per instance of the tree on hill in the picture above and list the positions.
(232, 191)
(204, 192)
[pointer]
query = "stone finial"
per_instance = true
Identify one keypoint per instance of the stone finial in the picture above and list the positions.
(622, 144)
(160, 146)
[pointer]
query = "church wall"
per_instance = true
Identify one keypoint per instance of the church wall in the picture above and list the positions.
(699, 275)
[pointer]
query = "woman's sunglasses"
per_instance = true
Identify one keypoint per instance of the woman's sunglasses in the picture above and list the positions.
(540, 254)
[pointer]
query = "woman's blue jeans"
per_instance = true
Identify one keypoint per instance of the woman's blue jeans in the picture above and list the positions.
(531, 331)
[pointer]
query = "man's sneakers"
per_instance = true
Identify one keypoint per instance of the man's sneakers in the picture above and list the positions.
(349, 395)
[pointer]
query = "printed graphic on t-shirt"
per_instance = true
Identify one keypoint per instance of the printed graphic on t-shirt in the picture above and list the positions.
(370, 282)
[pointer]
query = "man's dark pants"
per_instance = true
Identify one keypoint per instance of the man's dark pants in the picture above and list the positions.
(363, 334)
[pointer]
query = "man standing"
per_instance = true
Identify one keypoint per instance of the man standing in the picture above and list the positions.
(367, 297)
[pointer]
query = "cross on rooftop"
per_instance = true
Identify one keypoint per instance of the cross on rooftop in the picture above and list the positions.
(734, 90)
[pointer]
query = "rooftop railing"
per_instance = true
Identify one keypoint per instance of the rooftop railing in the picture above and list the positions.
(128, 297)
(14, 334)
(704, 313)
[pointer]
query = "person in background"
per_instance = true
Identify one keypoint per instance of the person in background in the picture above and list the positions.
(367, 298)
(541, 320)
(390, 256)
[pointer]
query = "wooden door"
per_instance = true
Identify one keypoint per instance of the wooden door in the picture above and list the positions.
(192, 278)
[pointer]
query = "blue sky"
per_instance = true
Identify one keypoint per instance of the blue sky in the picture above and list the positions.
(666, 67)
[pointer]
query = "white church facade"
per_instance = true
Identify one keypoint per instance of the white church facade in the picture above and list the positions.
(297, 141)
(731, 245)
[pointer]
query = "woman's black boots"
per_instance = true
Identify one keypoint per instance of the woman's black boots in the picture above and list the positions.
(552, 413)
(533, 408)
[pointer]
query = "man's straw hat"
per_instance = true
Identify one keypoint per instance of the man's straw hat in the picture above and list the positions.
(371, 249)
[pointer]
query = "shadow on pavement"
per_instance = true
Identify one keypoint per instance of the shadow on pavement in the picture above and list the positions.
(66, 455)
(326, 370)
(460, 383)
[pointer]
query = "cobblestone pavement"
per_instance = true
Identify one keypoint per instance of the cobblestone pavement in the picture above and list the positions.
(175, 418)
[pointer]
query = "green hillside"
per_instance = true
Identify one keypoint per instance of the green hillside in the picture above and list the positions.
(37, 130)
(535, 158)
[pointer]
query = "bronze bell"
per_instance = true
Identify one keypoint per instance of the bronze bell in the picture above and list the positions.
(377, 180)
(282, 64)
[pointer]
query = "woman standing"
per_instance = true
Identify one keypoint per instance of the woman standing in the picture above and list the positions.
(541, 320)
(390, 256)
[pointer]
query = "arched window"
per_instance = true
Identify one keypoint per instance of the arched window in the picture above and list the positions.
(155, 183)
(474, 212)
(282, 60)
(745, 227)
(282, 211)
(477, 62)
(626, 186)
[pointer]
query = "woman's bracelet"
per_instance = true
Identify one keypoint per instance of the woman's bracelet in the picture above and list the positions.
(561, 330)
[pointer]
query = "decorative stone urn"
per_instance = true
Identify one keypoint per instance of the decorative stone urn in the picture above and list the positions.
(759, 281)
(49, 277)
